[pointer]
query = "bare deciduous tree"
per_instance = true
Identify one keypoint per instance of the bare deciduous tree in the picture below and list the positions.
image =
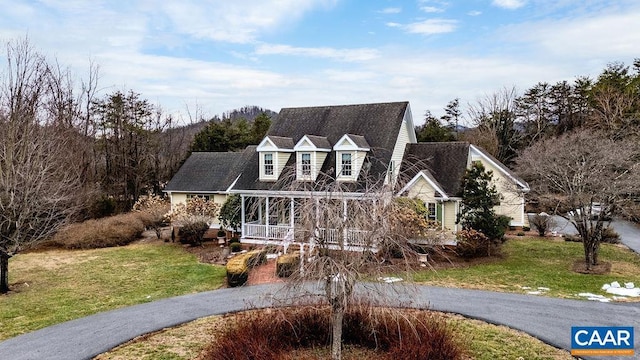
(495, 114)
(38, 179)
(584, 177)
(345, 235)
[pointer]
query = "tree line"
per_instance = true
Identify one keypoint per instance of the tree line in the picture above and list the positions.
(70, 153)
(576, 143)
(506, 122)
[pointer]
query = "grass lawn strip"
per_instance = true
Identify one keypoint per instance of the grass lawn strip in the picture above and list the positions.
(533, 263)
(487, 341)
(56, 286)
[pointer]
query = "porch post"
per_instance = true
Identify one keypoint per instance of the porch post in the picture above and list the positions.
(291, 213)
(442, 209)
(242, 215)
(266, 205)
(344, 222)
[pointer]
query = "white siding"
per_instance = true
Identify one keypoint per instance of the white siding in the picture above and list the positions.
(511, 199)
(404, 137)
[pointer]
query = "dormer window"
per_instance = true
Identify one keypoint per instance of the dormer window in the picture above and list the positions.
(274, 153)
(351, 152)
(268, 164)
(305, 164)
(311, 151)
(345, 168)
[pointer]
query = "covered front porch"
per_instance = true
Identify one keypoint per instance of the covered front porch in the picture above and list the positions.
(303, 221)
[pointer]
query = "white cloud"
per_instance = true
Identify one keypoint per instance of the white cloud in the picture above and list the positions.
(393, 24)
(431, 9)
(235, 21)
(394, 10)
(349, 55)
(433, 6)
(509, 4)
(474, 13)
(612, 36)
(431, 26)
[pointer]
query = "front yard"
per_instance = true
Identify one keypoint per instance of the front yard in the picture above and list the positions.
(530, 263)
(53, 286)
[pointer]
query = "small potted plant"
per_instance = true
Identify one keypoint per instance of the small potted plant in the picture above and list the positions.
(222, 237)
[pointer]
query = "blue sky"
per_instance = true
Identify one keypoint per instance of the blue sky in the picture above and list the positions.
(217, 55)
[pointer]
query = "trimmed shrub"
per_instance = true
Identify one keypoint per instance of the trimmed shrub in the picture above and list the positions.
(235, 246)
(521, 233)
(287, 264)
(234, 240)
(222, 233)
(525, 228)
(472, 243)
(192, 232)
(238, 266)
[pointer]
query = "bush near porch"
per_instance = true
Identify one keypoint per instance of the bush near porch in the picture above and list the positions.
(238, 267)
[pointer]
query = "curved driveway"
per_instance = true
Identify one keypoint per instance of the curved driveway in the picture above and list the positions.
(548, 319)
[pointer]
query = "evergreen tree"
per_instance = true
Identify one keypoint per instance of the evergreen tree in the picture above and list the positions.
(479, 196)
(433, 130)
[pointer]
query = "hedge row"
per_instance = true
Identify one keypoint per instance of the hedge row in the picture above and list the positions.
(238, 266)
(111, 231)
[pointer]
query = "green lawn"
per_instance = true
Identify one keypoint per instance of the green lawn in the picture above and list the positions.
(537, 263)
(54, 286)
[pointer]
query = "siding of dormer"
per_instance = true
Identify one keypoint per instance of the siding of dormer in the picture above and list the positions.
(320, 158)
(398, 150)
(283, 157)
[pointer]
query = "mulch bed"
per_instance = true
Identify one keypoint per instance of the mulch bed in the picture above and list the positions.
(602, 268)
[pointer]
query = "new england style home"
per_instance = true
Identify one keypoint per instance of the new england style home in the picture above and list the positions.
(345, 145)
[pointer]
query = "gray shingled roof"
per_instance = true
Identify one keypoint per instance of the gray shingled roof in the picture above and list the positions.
(445, 161)
(209, 171)
(379, 124)
(321, 142)
(359, 140)
(282, 142)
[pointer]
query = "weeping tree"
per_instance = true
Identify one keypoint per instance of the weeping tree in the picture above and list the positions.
(341, 232)
(39, 179)
(585, 177)
(230, 213)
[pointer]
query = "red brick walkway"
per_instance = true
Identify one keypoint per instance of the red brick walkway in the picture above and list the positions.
(264, 274)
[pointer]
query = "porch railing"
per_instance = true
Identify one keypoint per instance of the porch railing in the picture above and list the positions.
(271, 233)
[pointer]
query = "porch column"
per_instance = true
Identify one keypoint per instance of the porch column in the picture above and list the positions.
(266, 222)
(344, 222)
(242, 215)
(442, 209)
(291, 213)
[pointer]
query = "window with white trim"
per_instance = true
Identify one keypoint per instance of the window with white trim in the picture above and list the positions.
(268, 164)
(431, 207)
(345, 162)
(305, 164)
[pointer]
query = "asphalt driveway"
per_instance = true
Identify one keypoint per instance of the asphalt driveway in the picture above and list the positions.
(629, 232)
(548, 319)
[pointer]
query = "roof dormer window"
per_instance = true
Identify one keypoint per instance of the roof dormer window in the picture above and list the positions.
(345, 168)
(351, 151)
(274, 153)
(268, 164)
(311, 151)
(305, 164)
